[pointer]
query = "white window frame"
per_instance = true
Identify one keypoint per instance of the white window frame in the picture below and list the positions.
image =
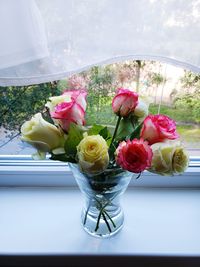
(24, 171)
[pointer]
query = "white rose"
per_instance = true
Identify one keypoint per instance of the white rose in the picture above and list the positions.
(141, 110)
(41, 134)
(169, 158)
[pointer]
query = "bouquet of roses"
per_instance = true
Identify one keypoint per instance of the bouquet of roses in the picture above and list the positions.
(102, 161)
(139, 141)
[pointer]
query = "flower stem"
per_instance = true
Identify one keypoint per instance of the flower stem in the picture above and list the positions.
(102, 212)
(114, 225)
(115, 132)
(99, 217)
(85, 219)
(104, 217)
(138, 176)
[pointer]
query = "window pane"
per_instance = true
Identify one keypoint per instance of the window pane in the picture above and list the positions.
(167, 89)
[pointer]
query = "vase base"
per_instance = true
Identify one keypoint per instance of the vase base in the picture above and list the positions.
(98, 235)
(105, 229)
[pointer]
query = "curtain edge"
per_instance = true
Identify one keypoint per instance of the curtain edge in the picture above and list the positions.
(31, 80)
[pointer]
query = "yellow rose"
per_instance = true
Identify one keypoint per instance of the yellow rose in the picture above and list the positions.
(169, 158)
(41, 134)
(92, 154)
(55, 100)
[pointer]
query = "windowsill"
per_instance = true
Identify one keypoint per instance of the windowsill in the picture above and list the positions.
(46, 221)
(60, 176)
(23, 171)
(41, 216)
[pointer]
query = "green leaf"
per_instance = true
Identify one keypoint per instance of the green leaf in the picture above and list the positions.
(125, 129)
(75, 135)
(95, 129)
(136, 132)
(112, 150)
(63, 157)
(101, 130)
(105, 133)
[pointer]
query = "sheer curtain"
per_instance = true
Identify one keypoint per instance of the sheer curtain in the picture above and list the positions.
(47, 40)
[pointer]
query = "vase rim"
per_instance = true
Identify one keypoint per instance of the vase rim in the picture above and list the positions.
(106, 170)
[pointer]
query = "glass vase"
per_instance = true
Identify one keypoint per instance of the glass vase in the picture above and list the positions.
(102, 215)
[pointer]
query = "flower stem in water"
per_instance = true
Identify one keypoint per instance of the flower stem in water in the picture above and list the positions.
(114, 225)
(104, 217)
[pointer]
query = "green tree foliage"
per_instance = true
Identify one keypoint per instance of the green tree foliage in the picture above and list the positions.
(189, 99)
(18, 104)
(190, 80)
(101, 87)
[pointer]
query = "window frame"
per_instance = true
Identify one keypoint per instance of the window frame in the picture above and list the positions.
(22, 170)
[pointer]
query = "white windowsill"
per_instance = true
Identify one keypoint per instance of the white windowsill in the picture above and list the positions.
(40, 207)
(46, 221)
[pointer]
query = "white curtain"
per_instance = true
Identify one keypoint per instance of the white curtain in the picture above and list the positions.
(47, 40)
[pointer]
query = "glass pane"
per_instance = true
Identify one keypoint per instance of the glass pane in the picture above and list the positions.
(167, 89)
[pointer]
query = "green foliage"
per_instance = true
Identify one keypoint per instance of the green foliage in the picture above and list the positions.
(190, 99)
(100, 92)
(75, 135)
(190, 79)
(62, 85)
(63, 157)
(95, 129)
(136, 132)
(157, 78)
(101, 130)
(18, 104)
(125, 129)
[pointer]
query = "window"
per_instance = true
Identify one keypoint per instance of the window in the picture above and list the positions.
(167, 89)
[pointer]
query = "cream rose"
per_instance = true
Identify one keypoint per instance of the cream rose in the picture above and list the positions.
(169, 158)
(92, 154)
(41, 134)
(141, 110)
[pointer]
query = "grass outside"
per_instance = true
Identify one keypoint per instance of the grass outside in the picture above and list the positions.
(190, 135)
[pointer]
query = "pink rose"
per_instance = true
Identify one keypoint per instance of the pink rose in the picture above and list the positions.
(73, 111)
(157, 128)
(124, 102)
(134, 156)
(79, 96)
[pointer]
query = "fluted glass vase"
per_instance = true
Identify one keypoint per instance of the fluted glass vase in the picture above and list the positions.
(102, 215)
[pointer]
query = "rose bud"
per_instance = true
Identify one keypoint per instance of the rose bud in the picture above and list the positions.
(141, 110)
(92, 154)
(124, 102)
(134, 156)
(157, 128)
(169, 158)
(41, 134)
